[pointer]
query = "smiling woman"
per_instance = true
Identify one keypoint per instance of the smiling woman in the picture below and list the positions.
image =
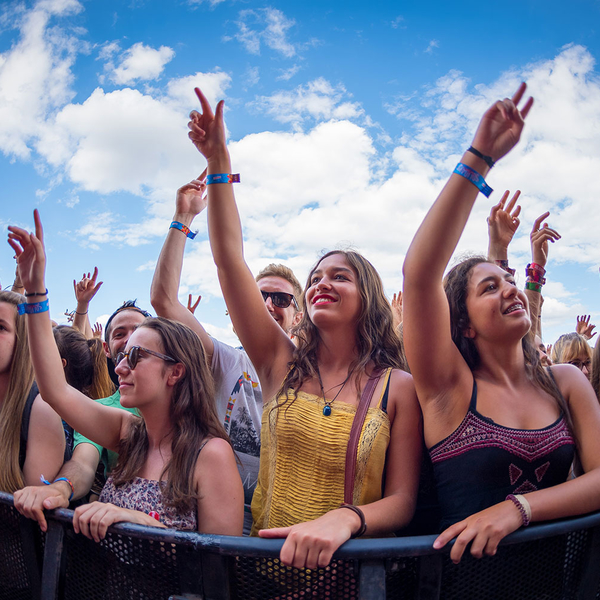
(318, 460)
(501, 430)
(175, 463)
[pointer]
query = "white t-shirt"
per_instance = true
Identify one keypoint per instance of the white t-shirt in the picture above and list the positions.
(239, 406)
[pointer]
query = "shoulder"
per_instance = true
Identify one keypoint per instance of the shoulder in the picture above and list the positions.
(569, 379)
(402, 395)
(215, 459)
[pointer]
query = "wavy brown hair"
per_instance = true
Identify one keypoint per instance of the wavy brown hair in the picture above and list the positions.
(13, 403)
(376, 339)
(86, 368)
(193, 415)
(595, 374)
(456, 285)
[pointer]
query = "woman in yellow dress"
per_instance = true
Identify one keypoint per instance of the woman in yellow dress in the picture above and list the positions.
(311, 390)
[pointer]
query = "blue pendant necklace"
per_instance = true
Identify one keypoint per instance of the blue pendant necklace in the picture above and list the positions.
(328, 403)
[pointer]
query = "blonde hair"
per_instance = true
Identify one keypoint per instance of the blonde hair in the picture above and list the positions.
(595, 375)
(20, 380)
(570, 346)
(275, 270)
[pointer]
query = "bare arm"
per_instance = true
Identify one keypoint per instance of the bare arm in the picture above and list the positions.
(80, 471)
(435, 362)
(221, 503)
(45, 443)
(100, 423)
(190, 202)
(267, 345)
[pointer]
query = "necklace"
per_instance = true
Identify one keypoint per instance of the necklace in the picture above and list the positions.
(327, 407)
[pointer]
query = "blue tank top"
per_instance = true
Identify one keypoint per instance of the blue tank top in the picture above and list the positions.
(480, 463)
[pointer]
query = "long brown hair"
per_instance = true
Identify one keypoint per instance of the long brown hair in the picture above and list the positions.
(595, 374)
(376, 339)
(456, 285)
(13, 404)
(192, 412)
(86, 368)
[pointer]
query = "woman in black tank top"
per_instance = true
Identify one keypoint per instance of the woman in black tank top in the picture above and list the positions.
(501, 431)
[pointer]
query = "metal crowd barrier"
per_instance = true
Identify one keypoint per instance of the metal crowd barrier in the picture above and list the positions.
(558, 560)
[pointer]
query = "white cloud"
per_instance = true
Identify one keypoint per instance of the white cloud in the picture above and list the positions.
(287, 74)
(35, 74)
(267, 26)
(212, 3)
(398, 23)
(318, 100)
(138, 63)
(433, 44)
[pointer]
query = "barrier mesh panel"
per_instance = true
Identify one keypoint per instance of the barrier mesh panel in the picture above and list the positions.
(14, 576)
(401, 578)
(546, 569)
(260, 578)
(119, 568)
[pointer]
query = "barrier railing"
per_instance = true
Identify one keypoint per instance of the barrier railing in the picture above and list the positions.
(558, 560)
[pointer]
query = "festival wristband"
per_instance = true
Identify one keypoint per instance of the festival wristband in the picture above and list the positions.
(32, 308)
(183, 228)
(223, 178)
(474, 177)
(45, 481)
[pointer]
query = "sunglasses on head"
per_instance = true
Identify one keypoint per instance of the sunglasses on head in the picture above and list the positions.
(133, 355)
(280, 299)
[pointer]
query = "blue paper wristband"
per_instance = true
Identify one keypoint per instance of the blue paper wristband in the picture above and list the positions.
(223, 178)
(183, 228)
(474, 177)
(32, 308)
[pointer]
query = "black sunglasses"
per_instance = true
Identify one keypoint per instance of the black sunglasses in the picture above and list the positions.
(280, 299)
(133, 355)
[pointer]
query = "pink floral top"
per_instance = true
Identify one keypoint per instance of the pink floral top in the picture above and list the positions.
(145, 495)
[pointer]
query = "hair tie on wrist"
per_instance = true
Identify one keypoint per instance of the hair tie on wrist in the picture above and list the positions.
(474, 177)
(29, 294)
(223, 178)
(183, 228)
(32, 308)
(489, 161)
(361, 516)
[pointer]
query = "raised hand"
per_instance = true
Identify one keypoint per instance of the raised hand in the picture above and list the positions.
(191, 198)
(86, 289)
(584, 328)
(397, 309)
(540, 236)
(30, 254)
(501, 126)
(207, 129)
(97, 330)
(503, 223)
(192, 307)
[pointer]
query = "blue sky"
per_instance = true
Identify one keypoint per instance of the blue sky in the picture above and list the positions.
(345, 119)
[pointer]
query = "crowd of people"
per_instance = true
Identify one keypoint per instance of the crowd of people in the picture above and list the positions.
(340, 405)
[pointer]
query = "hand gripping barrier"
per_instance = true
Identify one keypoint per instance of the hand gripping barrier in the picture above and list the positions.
(552, 561)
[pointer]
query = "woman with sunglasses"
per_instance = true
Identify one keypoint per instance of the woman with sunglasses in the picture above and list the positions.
(344, 340)
(501, 430)
(176, 467)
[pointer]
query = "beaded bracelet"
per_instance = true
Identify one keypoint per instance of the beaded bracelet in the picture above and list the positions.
(45, 481)
(32, 308)
(183, 228)
(488, 159)
(223, 178)
(503, 264)
(29, 294)
(523, 506)
(361, 516)
(474, 177)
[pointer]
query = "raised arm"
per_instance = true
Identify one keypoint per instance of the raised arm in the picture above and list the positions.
(265, 342)
(540, 235)
(100, 423)
(503, 223)
(190, 202)
(434, 360)
(85, 290)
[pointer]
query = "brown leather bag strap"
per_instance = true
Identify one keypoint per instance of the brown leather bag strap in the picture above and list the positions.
(357, 425)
